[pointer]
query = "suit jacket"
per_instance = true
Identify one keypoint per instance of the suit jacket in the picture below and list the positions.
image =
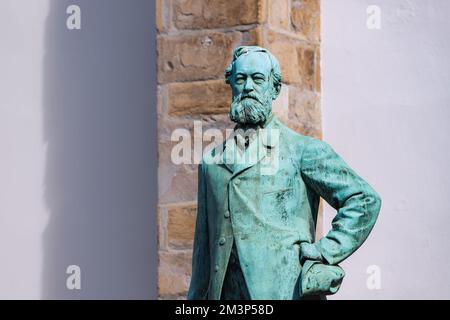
(268, 205)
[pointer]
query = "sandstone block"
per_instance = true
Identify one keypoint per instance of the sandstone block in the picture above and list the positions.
(198, 56)
(181, 226)
(200, 97)
(304, 112)
(297, 60)
(195, 14)
(279, 14)
(174, 273)
(305, 19)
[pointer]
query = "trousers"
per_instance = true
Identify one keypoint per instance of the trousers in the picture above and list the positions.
(234, 286)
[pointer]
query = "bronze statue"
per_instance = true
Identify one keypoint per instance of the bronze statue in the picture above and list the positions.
(258, 198)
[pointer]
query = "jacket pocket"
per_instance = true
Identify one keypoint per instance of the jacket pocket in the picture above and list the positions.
(278, 206)
(277, 191)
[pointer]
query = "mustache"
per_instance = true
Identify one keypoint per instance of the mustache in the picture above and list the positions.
(249, 111)
(250, 96)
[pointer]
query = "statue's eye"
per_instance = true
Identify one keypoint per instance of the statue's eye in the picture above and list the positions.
(240, 80)
(259, 79)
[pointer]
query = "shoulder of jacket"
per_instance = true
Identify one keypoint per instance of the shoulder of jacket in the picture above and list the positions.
(209, 156)
(293, 136)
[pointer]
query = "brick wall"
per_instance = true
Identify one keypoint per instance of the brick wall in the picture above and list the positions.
(195, 43)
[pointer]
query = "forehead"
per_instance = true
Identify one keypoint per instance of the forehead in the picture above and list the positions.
(253, 62)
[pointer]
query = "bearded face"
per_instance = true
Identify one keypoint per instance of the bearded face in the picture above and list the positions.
(251, 108)
(252, 87)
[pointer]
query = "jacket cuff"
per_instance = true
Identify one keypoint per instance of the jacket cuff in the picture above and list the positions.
(309, 251)
(319, 279)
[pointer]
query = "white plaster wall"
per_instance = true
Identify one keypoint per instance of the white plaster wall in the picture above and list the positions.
(77, 149)
(23, 212)
(386, 110)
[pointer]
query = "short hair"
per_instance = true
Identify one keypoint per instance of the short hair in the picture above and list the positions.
(276, 70)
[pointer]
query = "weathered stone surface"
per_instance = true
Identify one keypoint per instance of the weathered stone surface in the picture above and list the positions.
(297, 60)
(181, 225)
(304, 112)
(167, 125)
(174, 272)
(193, 57)
(279, 14)
(306, 62)
(252, 37)
(159, 15)
(305, 18)
(317, 72)
(162, 16)
(200, 97)
(195, 14)
(162, 227)
(178, 182)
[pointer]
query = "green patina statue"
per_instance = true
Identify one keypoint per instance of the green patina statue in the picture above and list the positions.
(258, 199)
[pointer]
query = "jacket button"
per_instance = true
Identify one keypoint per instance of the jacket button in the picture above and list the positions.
(216, 268)
(237, 181)
(222, 241)
(227, 214)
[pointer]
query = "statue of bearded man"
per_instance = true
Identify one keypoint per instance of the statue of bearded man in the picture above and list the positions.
(258, 200)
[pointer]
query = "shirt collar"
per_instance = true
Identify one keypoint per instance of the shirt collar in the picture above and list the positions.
(268, 139)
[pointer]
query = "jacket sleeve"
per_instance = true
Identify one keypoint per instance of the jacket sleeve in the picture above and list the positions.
(198, 288)
(357, 204)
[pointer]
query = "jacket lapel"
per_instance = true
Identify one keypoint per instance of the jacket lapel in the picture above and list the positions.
(229, 154)
(267, 139)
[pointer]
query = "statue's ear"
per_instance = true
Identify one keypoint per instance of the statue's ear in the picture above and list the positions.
(276, 86)
(276, 91)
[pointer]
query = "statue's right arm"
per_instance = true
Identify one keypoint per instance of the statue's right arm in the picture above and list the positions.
(198, 288)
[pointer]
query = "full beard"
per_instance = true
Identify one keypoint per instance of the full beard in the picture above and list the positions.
(250, 111)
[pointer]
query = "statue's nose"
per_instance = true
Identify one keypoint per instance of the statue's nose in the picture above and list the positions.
(248, 87)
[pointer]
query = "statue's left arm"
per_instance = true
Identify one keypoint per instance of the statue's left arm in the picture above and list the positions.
(356, 202)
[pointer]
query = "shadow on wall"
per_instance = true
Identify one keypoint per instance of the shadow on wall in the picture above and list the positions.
(100, 127)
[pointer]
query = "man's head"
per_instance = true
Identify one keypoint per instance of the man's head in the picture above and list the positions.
(255, 79)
